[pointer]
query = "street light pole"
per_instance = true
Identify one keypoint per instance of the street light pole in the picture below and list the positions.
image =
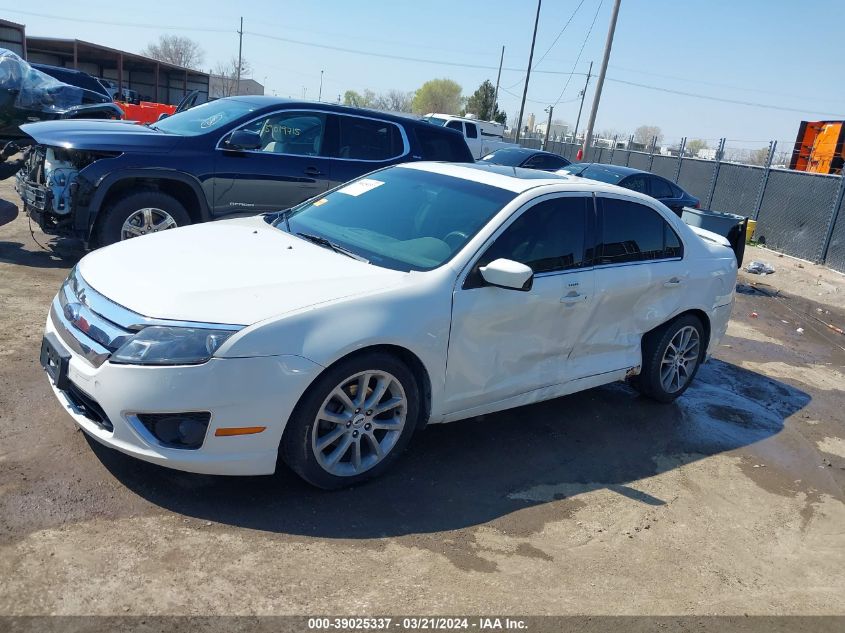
(550, 109)
(585, 148)
(528, 73)
(320, 96)
(581, 107)
(498, 78)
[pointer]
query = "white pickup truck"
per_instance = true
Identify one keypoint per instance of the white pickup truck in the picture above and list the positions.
(482, 137)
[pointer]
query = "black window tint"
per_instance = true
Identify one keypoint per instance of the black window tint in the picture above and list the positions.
(545, 161)
(456, 125)
(548, 237)
(632, 232)
(676, 191)
(672, 242)
(472, 131)
(660, 188)
(435, 144)
(636, 183)
(368, 139)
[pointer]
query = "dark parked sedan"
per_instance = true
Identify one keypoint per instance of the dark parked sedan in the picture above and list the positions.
(645, 182)
(524, 157)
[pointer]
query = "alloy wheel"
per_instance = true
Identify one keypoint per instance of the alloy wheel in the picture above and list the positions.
(147, 220)
(359, 423)
(680, 359)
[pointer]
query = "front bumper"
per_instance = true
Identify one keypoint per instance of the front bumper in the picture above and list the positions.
(238, 392)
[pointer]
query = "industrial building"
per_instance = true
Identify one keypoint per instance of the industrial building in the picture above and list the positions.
(151, 79)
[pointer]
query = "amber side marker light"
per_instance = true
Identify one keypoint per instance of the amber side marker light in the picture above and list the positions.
(238, 430)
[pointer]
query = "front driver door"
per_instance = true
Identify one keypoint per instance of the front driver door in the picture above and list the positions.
(507, 342)
(289, 167)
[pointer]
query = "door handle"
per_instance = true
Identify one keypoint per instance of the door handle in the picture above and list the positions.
(313, 171)
(573, 298)
(673, 283)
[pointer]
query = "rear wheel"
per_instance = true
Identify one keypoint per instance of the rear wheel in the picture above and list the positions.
(141, 213)
(671, 357)
(353, 421)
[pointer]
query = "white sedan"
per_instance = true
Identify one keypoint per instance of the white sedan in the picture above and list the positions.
(326, 335)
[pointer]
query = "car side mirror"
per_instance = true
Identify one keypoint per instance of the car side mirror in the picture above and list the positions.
(244, 139)
(506, 273)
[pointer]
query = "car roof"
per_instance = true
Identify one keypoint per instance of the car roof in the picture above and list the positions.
(268, 102)
(615, 169)
(516, 179)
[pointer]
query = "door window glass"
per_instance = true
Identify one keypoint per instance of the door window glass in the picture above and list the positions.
(547, 237)
(298, 133)
(660, 188)
(632, 232)
(472, 130)
(368, 139)
(636, 183)
(456, 125)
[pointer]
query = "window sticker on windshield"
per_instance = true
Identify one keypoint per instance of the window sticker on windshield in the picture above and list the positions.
(214, 118)
(321, 202)
(360, 186)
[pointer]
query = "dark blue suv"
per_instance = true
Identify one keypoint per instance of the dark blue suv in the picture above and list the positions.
(105, 181)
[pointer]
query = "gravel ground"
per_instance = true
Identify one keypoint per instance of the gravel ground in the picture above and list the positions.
(729, 501)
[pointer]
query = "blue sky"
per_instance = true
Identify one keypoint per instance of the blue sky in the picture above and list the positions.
(779, 53)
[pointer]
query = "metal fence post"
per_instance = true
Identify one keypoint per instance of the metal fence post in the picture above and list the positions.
(837, 205)
(612, 149)
(651, 155)
(765, 180)
(680, 158)
(716, 165)
(628, 147)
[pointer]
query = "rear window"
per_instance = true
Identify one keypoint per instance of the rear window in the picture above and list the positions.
(602, 175)
(368, 139)
(438, 145)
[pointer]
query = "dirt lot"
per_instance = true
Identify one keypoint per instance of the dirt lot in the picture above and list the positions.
(729, 501)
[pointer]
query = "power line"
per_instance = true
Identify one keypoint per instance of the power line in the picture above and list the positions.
(127, 24)
(543, 56)
(580, 52)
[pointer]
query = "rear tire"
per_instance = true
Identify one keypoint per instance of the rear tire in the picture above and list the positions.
(140, 213)
(336, 437)
(672, 355)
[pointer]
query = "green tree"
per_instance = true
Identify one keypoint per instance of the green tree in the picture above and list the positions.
(482, 103)
(438, 95)
(365, 100)
(696, 145)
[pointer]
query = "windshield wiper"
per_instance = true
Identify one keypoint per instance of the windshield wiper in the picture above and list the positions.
(326, 243)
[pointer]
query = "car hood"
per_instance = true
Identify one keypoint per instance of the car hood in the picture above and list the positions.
(104, 136)
(235, 271)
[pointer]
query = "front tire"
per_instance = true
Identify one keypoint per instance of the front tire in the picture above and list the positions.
(672, 355)
(141, 213)
(353, 422)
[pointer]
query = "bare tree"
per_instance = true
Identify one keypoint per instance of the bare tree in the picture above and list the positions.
(224, 78)
(394, 101)
(645, 133)
(758, 156)
(175, 49)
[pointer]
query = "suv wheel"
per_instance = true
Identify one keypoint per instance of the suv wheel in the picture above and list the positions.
(141, 213)
(671, 357)
(353, 422)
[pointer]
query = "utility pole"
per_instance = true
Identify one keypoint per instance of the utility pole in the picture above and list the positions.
(320, 96)
(240, 55)
(528, 73)
(550, 109)
(581, 107)
(585, 148)
(498, 78)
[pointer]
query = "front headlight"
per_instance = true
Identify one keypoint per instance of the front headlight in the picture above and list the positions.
(164, 345)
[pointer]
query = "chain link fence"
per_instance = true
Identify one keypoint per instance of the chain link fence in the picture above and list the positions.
(798, 213)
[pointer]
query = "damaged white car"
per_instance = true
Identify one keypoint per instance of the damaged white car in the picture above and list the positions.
(328, 334)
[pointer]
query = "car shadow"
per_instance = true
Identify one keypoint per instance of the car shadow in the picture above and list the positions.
(470, 472)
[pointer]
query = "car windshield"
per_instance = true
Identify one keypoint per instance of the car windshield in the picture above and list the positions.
(204, 118)
(400, 218)
(507, 157)
(602, 175)
(435, 120)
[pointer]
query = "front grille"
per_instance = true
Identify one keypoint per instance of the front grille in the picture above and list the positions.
(33, 194)
(88, 407)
